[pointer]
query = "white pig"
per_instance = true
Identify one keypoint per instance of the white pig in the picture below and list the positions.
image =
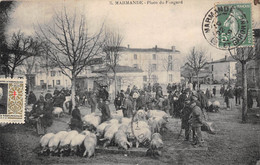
(55, 140)
(110, 131)
(45, 141)
(125, 120)
(121, 140)
(156, 113)
(57, 111)
(92, 119)
(76, 142)
(101, 128)
(90, 143)
(64, 144)
(156, 142)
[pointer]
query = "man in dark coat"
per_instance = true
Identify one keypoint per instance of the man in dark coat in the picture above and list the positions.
(31, 98)
(128, 106)
(149, 88)
(222, 90)
(128, 90)
(56, 92)
(141, 102)
(105, 111)
(214, 90)
(58, 101)
(169, 88)
(103, 93)
(196, 121)
(250, 100)
(238, 94)
(185, 116)
(42, 112)
(92, 102)
(117, 101)
(202, 101)
(227, 95)
(76, 121)
(166, 105)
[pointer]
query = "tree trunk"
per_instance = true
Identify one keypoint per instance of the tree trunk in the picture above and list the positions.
(73, 91)
(47, 79)
(244, 98)
(198, 81)
(12, 72)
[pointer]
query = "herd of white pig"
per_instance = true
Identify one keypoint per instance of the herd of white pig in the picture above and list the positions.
(143, 129)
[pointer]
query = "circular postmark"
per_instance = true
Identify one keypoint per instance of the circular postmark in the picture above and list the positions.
(225, 26)
(136, 128)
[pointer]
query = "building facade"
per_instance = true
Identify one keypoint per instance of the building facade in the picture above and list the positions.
(159, 65)
(223, 69)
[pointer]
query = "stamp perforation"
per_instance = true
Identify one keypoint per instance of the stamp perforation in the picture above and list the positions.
(252, 18)
(14, 118)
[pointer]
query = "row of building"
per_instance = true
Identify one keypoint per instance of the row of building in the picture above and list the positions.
(141, 66)
(136, 66)
(227, 69)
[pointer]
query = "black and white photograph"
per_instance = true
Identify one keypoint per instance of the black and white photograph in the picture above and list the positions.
(131, 82)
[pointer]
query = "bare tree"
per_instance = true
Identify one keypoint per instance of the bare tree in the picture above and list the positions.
(197, 60)
(70, 45)
(21, 48)
(6, 7)
(167, 64)
(111, 48)
(244, 55)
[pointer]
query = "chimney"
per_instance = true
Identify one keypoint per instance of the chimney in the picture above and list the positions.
(155, 47)
(128, 46)
(173, 48)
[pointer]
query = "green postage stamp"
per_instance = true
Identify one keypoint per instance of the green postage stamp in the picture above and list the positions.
(229, 25)
(12, 100)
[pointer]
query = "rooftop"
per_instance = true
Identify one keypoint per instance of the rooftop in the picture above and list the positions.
(154, 49)
(226, 59)
(119, 69)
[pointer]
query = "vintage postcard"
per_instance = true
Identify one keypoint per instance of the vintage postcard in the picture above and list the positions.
(12, 100)
(130, 82)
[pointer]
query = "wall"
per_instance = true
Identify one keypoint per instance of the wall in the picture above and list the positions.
(145, 61)
(219, 69)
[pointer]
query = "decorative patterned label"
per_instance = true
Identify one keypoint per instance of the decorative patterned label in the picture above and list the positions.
(12, 100)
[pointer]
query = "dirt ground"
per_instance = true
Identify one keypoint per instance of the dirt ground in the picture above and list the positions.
(233, 143)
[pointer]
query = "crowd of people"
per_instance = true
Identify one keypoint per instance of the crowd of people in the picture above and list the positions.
(180, 101)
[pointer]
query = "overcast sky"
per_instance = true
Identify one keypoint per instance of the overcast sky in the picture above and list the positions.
(143, 26)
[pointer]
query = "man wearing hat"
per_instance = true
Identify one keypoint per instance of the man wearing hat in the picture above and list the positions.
(185, 116)
(196, 121)
(105, 111)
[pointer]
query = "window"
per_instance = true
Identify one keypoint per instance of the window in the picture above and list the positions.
(170, 66)
(57, 82)
(154, 68)
(145, 78)
(41, 82)
(135, 56)
(53, 73)
(154, 78)
(135, 65)
(170, 78)
(154, 56)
